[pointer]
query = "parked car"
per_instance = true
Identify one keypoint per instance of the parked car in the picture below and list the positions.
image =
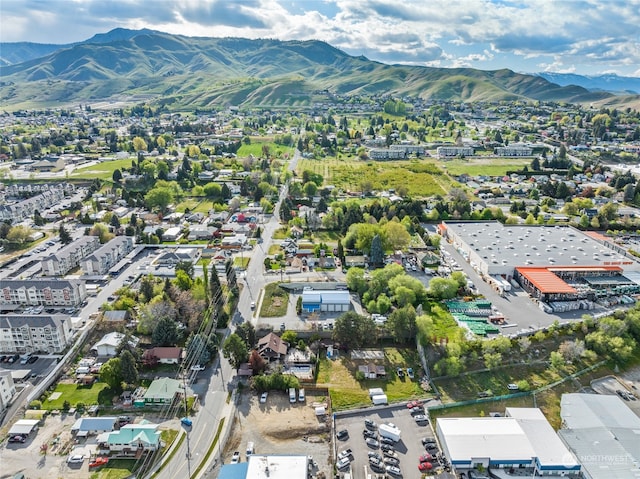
(376, 465)
(410, 373)
(417, 410)
(372, 443)
(420, 418)
(342, 435)
(17, 438)
(343, 463)
(391, 461)
(253, 305)
(367, 433)
(370, 424)
(186, 421)
(75, 459)
(400, 372)
(235, 459)
(386, 447)
(14, 358)
(123, 420)
(512, 387)
(394, 470)
(428, 440)
(263, 397)
(374, 455)
(425, 457)
(412, 404)
(345, 453)
(387, 440)
(198, 367)
(425, 466)
(32, 359)
(391, 453)
(98, 461)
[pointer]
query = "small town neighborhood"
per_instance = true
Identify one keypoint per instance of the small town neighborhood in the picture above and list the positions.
(245, 293)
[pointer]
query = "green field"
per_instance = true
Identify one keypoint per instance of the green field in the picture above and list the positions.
(255, 148)
(97, 393)
(104, 170)
(347, 392)
(484, 166)
(418, 177)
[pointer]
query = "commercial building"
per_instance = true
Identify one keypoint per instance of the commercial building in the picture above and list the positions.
(107, 256)
(69, 257)
(555, 264)
(326, 301)
(42, 292)
(602, 432)
(22, 333)
(260, 466)
(522, 441)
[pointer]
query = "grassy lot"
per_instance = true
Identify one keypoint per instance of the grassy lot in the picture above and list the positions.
(442, 324)
(548, 401)
(104, 170)
(281, 233)
(97, 393)
(419, 177)
(275, 301)
(115, 469)
(274, 249)
(484, 166)
(347, 392)
(195, 205)
(255, 148)
(327, 236)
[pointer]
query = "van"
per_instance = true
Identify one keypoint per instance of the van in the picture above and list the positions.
(292, 395)
(249, 448)
(301, 395)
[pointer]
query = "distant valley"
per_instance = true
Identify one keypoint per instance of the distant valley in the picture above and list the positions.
(185, 72)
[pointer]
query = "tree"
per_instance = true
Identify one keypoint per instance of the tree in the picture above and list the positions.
(397, 235)
(165, 332)
(402, 323)
(128, 368)
(310, 189)
(111, 373)
(183, 281)
(290, 337)
(353, 330)
(376, 255)
(200, 348)
(235, 350)
(19, 234)
(247, 333)
(443, 288)
(117, 176)
(492, 360)
(257, 362)
(115, 222)
(65, 237)
(139, 144)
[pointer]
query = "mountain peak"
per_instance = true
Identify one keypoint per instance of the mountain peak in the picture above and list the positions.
(118, 34)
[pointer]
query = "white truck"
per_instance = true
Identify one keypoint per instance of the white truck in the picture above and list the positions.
(292, 395)
(392, 432)
(379, 399)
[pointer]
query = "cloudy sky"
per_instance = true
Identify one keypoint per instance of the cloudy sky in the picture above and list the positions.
(568, 36)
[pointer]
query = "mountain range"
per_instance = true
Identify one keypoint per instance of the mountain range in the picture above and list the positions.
(610, 82)
(190, 72)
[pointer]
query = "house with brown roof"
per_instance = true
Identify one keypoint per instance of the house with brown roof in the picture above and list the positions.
(372, 371)
(166, 355)
(272, 347)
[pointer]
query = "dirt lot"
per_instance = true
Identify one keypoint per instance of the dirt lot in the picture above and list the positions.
(279, 427)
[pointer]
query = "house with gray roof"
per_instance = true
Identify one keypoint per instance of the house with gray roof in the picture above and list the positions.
(23, 333)
(107, 256)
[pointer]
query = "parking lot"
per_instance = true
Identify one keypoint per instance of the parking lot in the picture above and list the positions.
(408, 449)
(613, 386)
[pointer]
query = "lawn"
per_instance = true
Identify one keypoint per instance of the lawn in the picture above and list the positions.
(97, 393)
(115, 469)
(484, 166)
(275, 301)
(347, 392)
(255, 148)
(104, 170)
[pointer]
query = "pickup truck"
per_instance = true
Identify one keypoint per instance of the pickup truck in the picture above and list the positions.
(345, 453)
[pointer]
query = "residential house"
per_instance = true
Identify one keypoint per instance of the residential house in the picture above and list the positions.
(162, 392)
(42, 292)
(166, 355)
(201, 232)
(132, 438)
(179, 255)
(69, 257)
(271, 347)
(372, 371)
(172, 234)
(25, 333)
(109, 343)
(116, 317)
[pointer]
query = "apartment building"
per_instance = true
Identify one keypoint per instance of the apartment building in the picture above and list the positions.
(107, 256)
(69, 257)
(42, 292)
(26, 333)
(7, 389)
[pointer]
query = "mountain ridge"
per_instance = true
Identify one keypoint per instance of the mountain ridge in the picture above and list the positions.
(202, 71)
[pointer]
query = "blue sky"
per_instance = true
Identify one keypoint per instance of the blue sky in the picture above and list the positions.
(586, 37)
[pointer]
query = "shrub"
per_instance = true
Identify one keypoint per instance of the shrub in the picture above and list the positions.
(35, 405)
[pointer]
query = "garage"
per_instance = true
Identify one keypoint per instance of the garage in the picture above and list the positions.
(23, 427)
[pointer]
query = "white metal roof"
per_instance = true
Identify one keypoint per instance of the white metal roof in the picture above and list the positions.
(277, 467)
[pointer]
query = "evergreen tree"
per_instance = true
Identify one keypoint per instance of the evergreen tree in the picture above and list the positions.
(65, 237)
(376, 254)
(128, 368)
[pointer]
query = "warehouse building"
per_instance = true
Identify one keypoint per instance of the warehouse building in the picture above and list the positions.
(602, 432)
(260, 466)
(325, 301)
(522, 441)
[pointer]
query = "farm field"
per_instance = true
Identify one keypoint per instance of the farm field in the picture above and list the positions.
(419, 177)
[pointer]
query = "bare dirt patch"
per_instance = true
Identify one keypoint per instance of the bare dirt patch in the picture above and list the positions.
(279, 427)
